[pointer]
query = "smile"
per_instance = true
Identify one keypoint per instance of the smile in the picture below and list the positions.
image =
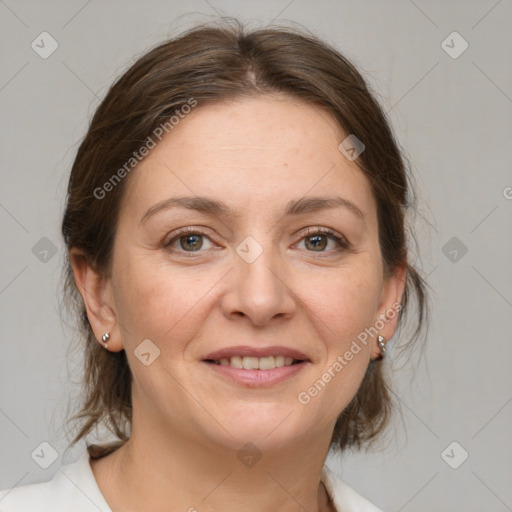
(256, 363)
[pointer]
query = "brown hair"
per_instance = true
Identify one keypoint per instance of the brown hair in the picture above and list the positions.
(214, 63)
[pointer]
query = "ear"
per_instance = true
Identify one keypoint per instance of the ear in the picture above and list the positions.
(96, 291)
(389, 307)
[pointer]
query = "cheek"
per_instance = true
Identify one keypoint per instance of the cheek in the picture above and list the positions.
(346, 302)
(156, 302)
(344, 305)
(360, 302)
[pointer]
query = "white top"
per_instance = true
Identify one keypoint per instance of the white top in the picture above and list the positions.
(74, 486)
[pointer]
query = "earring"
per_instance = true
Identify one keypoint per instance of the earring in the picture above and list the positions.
(105, 338)
(381, 341)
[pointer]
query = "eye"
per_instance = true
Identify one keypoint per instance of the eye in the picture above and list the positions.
(317, 239)
(189, 240)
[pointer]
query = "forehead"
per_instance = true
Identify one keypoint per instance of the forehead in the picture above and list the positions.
(262, 151)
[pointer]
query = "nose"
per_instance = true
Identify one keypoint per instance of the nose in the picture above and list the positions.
(259, 290)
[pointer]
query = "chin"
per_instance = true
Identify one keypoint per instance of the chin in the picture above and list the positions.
(266, 426)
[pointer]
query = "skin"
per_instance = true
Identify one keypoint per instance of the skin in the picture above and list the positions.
(256, 155)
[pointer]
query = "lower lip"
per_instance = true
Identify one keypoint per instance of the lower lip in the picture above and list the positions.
(258, 378)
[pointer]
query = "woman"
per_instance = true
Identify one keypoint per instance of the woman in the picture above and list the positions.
(237, 255)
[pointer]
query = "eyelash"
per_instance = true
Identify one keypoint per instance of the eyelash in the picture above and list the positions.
(340, 240)
(329, 233)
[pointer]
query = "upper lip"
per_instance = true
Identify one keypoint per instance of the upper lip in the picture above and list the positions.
(247, 351)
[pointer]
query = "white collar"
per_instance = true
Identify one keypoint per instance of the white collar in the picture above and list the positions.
(345, 498)
(75, 484)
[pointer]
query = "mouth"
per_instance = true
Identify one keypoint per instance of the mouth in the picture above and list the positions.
(257, 367)
(256, 363)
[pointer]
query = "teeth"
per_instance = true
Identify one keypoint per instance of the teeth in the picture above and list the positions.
(267, 363)
(236, 362)
(250, 363)
(256, 363)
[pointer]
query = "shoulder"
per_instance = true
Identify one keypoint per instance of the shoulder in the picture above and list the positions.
(73, 483)
(343, 496)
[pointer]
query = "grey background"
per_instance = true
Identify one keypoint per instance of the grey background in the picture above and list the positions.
(452, 115)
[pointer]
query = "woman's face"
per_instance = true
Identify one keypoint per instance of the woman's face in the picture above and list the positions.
(264, 273)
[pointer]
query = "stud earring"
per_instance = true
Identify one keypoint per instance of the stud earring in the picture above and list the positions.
(105, 338)
(381, 341)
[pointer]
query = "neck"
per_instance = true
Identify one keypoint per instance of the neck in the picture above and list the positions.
(195, 475)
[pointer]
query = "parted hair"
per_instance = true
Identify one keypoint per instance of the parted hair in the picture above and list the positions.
(212, 63)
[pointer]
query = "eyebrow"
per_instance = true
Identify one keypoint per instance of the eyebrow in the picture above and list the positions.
(212, 207)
